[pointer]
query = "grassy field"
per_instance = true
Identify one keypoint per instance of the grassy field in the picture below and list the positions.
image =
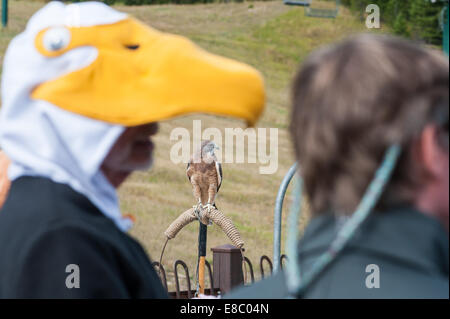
(268, 35)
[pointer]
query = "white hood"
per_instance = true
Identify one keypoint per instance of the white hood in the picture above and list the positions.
(43, 140)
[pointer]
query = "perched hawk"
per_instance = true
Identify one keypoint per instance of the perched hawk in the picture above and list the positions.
(205, 174)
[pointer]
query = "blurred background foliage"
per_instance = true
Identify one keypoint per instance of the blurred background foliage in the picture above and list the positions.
(415, 19)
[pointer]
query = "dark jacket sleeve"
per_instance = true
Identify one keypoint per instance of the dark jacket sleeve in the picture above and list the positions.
(68, 262)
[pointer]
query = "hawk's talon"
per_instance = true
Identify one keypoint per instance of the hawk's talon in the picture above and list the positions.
(209, 207)
(198, 209)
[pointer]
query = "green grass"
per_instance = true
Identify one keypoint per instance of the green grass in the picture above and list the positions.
(270, 36)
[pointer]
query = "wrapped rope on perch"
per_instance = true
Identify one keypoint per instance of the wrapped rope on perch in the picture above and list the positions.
(206, 217)
(215, 215)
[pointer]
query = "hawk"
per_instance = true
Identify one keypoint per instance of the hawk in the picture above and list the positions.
(205, 174)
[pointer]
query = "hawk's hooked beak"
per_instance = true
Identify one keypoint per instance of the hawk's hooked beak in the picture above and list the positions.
(142, 75)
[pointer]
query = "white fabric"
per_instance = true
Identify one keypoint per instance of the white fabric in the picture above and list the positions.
(83, 14)
(44, 140)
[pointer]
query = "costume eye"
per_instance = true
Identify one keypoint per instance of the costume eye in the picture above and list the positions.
(56, 38)
(132, 46)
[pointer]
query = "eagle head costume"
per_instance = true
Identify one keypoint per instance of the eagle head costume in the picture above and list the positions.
(72, 81)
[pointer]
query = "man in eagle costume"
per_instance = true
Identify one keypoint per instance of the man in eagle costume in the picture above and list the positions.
(83, 88)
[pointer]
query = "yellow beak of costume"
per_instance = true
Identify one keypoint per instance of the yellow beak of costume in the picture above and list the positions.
(142, 75)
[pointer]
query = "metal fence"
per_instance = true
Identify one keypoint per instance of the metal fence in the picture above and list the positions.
(226, 272)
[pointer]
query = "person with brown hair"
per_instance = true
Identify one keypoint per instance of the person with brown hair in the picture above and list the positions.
(351, 103)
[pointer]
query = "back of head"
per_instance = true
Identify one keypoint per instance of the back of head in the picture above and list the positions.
(351, 102)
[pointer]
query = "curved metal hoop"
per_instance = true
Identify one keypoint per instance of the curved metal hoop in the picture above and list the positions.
(177, 283)
(261, 265)
(162, 271)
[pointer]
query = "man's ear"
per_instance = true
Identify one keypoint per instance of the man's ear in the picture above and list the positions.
(431, 154)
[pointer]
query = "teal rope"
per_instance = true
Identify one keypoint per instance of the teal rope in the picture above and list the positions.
(293, 268)
(296, 286)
